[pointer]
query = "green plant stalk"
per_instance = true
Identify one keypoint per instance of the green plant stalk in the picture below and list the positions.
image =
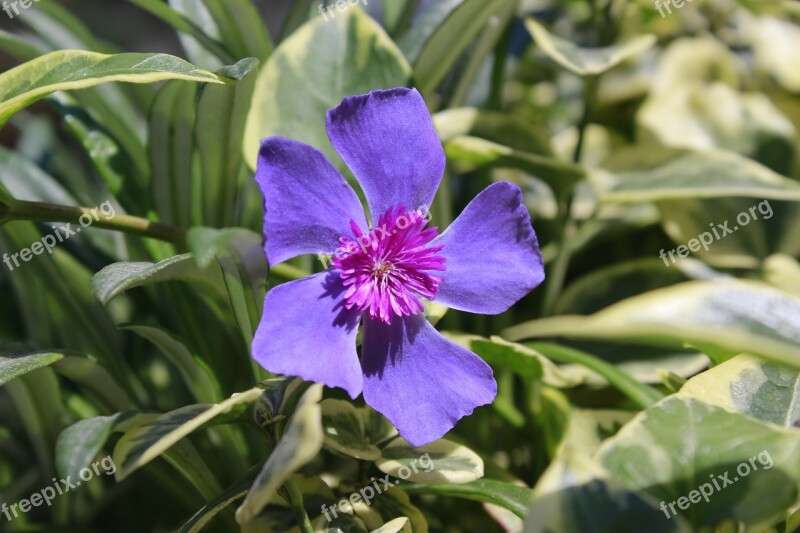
(561, 265)
(44, 212)
(295, 498)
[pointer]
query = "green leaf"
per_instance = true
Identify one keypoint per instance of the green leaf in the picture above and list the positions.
(170, 147)
(16, 361)
(95, 381)
(185, 25)
(642, 395)
(101, 148)
(301, 442)
(79, 444)
(445, 39)
(783, 272)
(688, 174)
(197, 14)
(613, 508)
(752, 386)
(221, 116)
(468, 153)
(442, 461)
(76, 69)
(586, 61)
(759, 459)
(244, 268)
(120, 277)
(236, 491)
(206, 243)
(348, 55)
(520, 359)
(344, 429)
(147, 442)
(500, 128)
(241, 27)
(507, 495)
(199, 378)
(388, 507)
(729, 316)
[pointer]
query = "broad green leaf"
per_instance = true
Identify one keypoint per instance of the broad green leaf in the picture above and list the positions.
(445, 39)
(729, 316)
(690, 174)
(206, 243)
(752, 386)
(147, 442)
(755, 228)
(501, 128)
(610, 507)
(344, 429)
(520, 359)
(783, 272)
(507, 495)
(301, 442)
(120, 277)
(758, 459)
(608, 285)
(468, 153)
(715, 115)
(345, 56)
(586, 61)
(221, 115)
(79, 444)
(16, 361)
(442, 461)
(199, 378)
(76, 69)
(772, 35)
(388, 507)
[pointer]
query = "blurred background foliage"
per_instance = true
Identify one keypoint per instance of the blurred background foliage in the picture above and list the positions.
(624, 380)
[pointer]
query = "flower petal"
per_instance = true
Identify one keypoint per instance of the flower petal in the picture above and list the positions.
(308, 204)
(422, 382)
(491, 253)
(388, 141)
(305, 331)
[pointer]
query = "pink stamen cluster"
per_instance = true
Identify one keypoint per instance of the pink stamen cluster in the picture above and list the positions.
(386, 271)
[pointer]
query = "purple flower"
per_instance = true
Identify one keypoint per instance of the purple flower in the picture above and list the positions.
(483, 263)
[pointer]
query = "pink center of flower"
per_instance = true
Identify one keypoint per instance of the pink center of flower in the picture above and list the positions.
(386, 270)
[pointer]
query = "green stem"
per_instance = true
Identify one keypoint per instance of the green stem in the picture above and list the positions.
(44, 212)
(561, 265)
(295, 498)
